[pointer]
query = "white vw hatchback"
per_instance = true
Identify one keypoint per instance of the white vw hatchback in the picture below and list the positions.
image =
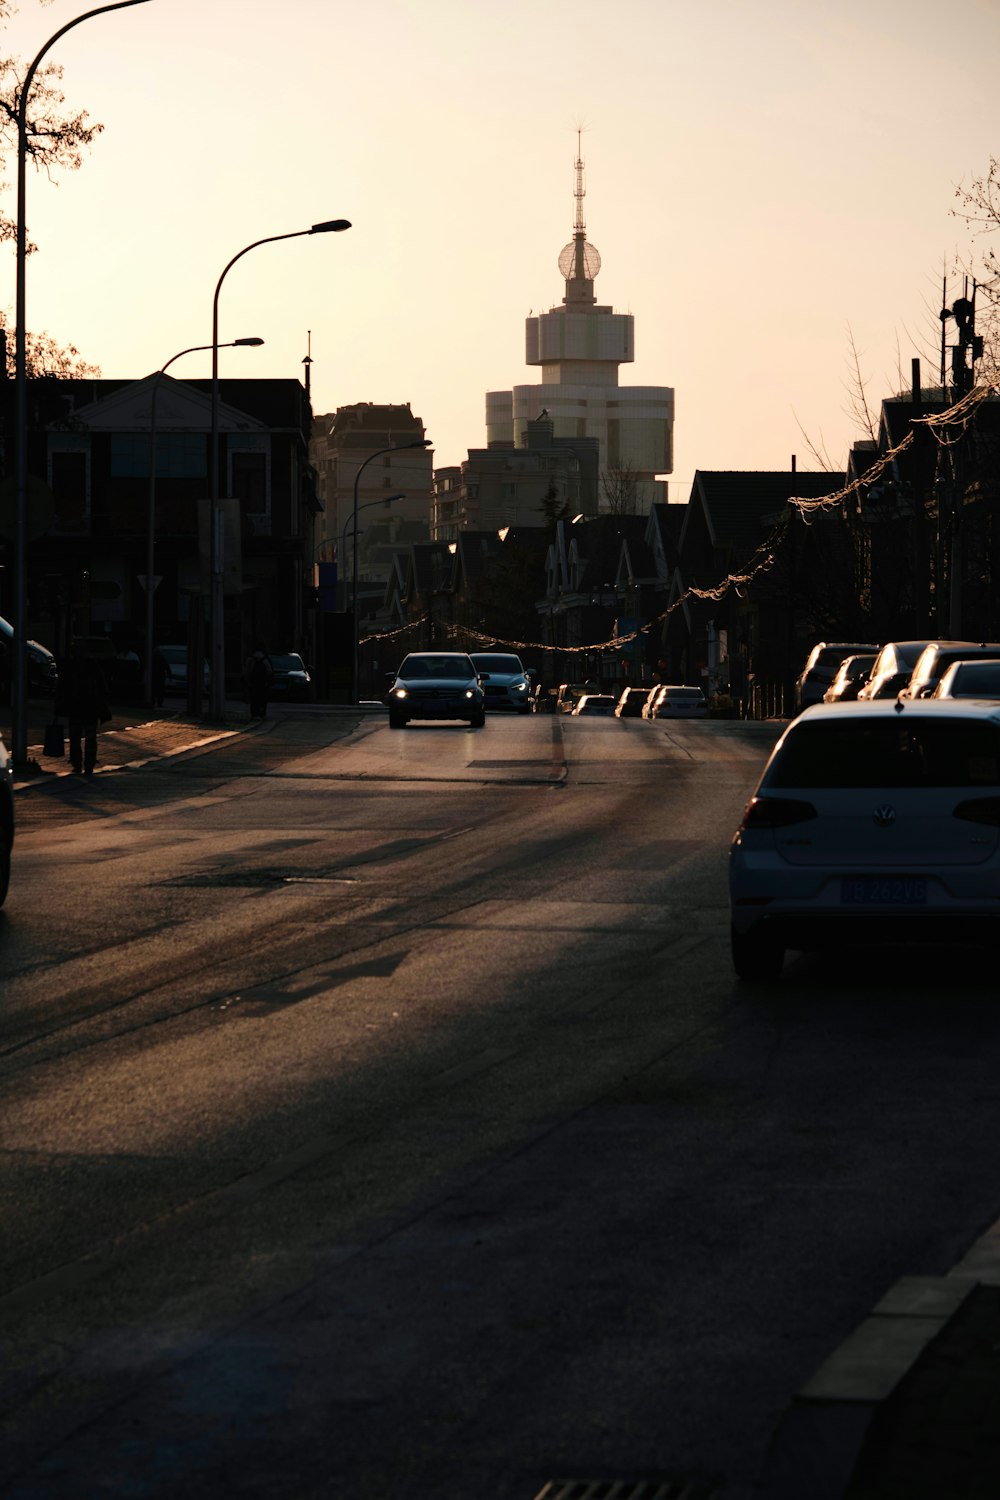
(872, 822)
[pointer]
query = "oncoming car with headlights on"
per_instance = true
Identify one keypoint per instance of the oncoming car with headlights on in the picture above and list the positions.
(872, 822)
(436, 685)
(505, 681)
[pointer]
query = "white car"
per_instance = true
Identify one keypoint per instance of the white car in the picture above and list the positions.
(674, 702)
(872, 822)
(595, 705)
(505, 681)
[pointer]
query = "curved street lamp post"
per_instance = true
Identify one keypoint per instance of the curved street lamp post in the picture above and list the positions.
(217, 690)
(356, 623)
(19, 695)
(388, 500)
(151, 502)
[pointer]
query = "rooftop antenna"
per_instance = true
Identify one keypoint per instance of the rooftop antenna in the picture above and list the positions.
(308, 362)
(579, 262)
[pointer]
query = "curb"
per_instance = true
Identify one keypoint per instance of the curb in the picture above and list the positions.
(817, 1443)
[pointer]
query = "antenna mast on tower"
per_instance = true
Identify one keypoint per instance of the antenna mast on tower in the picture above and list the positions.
(579, 262)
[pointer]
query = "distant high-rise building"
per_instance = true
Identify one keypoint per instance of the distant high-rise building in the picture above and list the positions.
(395, 491)
(579, 347)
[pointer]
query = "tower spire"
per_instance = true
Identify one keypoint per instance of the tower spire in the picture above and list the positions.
(579, 261)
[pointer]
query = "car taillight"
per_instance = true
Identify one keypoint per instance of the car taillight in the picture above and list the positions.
(980, 810)
(776, 812)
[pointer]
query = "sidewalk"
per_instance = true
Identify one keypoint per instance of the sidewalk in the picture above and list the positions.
(908, 1407)
(134, 735)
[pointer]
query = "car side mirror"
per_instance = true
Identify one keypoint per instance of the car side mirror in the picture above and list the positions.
(484, 676)
(390, 676)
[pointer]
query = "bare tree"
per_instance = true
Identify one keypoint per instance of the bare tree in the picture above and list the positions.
(56, 141)
(979, 208)
(620, 487)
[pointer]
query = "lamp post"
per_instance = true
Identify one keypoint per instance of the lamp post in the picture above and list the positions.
(379, 452)
(388, 500)
(217, 598)
(151, 503)
(19, 695)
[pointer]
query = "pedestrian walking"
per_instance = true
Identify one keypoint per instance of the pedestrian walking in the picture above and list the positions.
(258, 674)
(83, 698)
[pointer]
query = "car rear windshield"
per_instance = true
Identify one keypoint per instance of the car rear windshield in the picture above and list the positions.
(910, 752)
(972, 680)
(679, 692)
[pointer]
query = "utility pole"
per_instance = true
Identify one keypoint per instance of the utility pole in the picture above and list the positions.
(963, 359)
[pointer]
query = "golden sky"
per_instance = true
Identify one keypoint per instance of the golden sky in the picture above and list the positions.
(764, 178)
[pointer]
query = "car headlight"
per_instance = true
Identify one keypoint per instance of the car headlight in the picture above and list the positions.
(469, 693)
(399, 692)
(520, 687)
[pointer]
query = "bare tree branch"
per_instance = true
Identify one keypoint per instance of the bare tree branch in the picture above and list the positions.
(56, 142)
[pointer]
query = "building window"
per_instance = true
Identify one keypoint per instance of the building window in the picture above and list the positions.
(248, 483)
(69, 481)
(179, 455)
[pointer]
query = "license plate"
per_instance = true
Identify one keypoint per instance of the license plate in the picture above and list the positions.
(874, 890)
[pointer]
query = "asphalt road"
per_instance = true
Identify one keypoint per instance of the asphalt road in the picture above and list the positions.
(381, 1118)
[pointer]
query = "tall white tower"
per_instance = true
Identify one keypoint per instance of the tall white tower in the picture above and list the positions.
(579, 346)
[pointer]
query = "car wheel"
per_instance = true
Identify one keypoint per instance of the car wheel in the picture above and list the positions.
(4, 874)
(478, 720)
(757, 957)
(397, 721)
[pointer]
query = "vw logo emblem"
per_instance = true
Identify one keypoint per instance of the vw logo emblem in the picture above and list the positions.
(884, 816)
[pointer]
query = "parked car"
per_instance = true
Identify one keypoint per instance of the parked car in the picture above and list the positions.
(649, 707)
(569, 695)
(852, 674)
(505, 681)
(291, 681)
(6, 820)
(936, 658)
(821, 667)
(596, 704)
(436, 685)
(679, 702)
(892, 669)
(174, 661)
(43, 674)
(970, 679)
(632, 701)
(871, 823)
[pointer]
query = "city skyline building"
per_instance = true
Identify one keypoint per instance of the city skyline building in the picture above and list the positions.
(580, 346)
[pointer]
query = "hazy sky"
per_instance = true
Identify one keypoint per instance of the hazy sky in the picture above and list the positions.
(763, 178)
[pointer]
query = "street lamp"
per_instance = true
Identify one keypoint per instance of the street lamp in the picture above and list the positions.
(379, 452)
(388, 500)
(217, 596)
(19, 695)
(151, 503)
